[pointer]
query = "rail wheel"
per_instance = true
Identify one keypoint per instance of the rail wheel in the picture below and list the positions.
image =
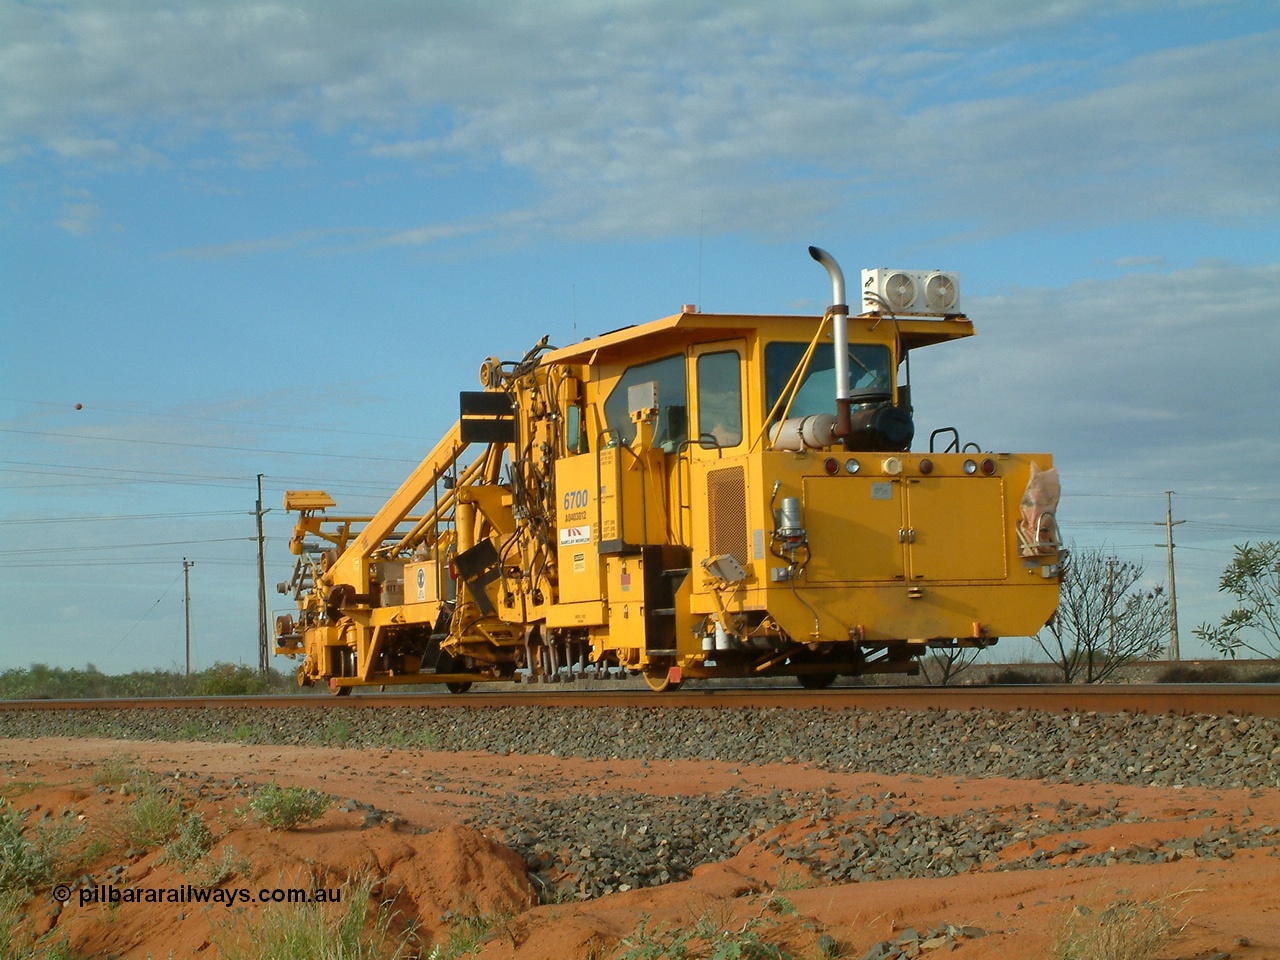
(338, 691)
(816, 681)
(447, 663)
(658, 677)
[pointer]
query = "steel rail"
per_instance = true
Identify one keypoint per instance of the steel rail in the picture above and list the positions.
(1240, 699)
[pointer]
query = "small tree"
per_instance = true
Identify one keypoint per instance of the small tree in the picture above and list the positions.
(1105, 617)
(945, 664)
(1253, 577)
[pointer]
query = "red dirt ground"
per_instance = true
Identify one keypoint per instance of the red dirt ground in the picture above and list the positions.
(1218, 907)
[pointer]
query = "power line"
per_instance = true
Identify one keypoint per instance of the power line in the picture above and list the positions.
(202, 446)
(128, 516)
(118, 546)
(1185, 496)
(158, 473)
(144, 616)
(179, 479)
(116, 562)
(238, 423)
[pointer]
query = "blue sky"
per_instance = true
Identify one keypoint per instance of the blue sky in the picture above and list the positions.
(279, 238)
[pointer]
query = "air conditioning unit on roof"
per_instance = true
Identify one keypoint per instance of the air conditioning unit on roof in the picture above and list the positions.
(918, 293)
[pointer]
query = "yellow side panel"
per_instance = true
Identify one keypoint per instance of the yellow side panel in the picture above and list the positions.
(578, 550)
(590, 613)
(625, 577)
(853, 526)
(957, 528)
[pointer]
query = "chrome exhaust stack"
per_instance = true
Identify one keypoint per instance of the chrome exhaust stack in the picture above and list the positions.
(839, 311)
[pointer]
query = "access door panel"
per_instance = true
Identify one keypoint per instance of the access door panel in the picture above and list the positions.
(853, 526)
(956, 529)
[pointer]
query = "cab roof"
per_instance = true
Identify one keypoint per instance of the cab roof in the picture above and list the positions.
(686, 328)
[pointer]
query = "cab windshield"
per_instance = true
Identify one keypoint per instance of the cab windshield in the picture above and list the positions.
(869, 374)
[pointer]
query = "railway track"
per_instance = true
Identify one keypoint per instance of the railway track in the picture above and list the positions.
(1262, 700)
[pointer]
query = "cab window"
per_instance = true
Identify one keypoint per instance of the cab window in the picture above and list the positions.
(672, 427)
(720, 399)
(869, 370)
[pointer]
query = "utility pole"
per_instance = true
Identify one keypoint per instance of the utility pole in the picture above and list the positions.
(1111, 613)
(262, 587)
(1169, 524)
(186, 602)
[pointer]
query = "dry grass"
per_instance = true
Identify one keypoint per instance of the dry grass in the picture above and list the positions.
(1122, 930)
(358, 929)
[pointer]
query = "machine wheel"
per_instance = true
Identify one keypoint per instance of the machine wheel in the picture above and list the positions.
(816, 681)
(447, 663)
(338, 691)
(659, 679)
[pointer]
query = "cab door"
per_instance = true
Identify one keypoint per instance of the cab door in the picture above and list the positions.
(716, 465)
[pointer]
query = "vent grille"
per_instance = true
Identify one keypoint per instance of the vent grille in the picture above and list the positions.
(727, 513)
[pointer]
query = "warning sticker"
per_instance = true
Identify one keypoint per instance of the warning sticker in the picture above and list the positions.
(572, 535)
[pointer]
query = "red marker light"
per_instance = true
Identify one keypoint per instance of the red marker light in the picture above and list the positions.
(988, 467)
(926, 466)
(831, 466)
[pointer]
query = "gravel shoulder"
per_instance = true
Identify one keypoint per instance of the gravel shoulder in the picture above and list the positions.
(832, 834)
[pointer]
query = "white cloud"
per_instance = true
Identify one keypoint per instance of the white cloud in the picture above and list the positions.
(1138, 261)
(628, 118)
(299, 240)
(80, 219)
(1148, 370)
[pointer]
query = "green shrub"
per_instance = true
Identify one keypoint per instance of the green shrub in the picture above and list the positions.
(115, 771)
(19, 942)
(30, 857)
(230, 680)
(463, 937)
(336, 733)
(42, 682)
(355, 931)
(209, 872)
(425, 739)
(154, 817)
(23, 865)
(711, 937)
(287, 808)
(190, 844)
